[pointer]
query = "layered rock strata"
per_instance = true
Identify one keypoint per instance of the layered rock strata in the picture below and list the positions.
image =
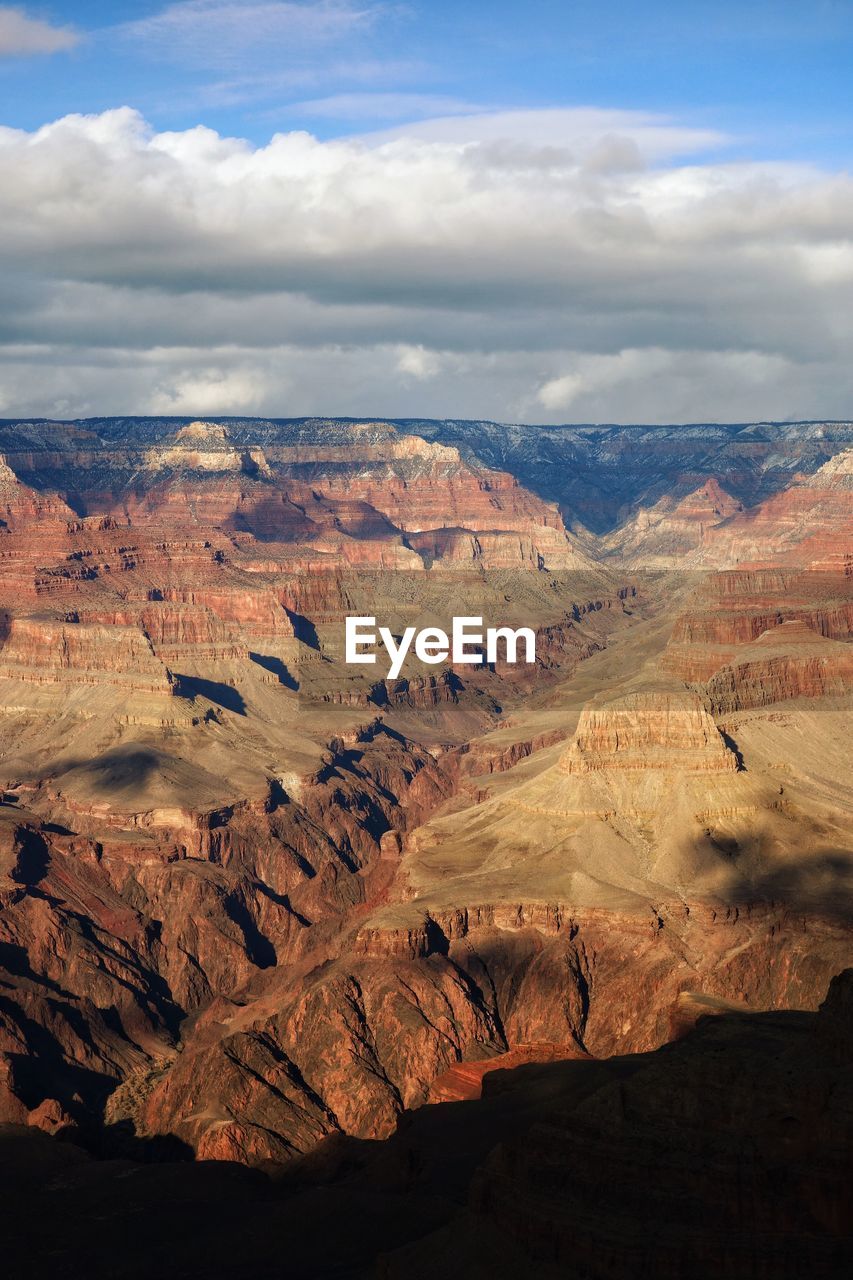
(653, 730)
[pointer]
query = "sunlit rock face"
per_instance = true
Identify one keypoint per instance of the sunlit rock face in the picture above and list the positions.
(654, 730)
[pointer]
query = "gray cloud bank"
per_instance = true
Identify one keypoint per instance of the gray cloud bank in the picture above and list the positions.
(556, 266)
(21, 36)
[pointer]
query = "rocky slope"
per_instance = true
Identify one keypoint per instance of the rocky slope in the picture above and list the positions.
(600, 475)
(726, 1152)
(809, 525)
(675, 530)
(788, 661)
(728, 610)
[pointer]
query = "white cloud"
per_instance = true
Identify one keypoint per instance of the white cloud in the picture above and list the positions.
(584, 131)
(418, 362)
(560, 393)
(213, 389)
(554, 274)
(219, 33)
(282, 82)
(593, 373)
(21, 35)
(382, 106)
(642, 378)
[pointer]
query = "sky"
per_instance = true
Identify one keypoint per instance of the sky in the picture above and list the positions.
(547, 212)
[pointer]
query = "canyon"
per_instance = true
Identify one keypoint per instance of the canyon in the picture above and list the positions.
(273, 920)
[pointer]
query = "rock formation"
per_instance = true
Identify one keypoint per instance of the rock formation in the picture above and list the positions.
(789, 661)
(256, 904)
(653, 730)
(662, 536)
(726, 1152)
(808, 525)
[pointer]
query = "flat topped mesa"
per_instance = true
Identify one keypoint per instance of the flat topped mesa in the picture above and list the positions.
(209, 432)
(650, 730)
(205, 447)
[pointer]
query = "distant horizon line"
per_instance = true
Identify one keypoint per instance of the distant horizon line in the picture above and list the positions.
(368, 419)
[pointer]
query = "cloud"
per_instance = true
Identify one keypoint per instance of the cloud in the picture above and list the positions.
(371, 380)
(219, 34)
(382, 106)
(418, 362)
(283, 82)
(580, 272)
(589, 131)
(636, 377)
(21, 36)
(211, 389)
(234, 52)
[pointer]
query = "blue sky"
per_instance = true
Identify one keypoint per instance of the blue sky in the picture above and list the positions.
(558, 212)
(776, 75)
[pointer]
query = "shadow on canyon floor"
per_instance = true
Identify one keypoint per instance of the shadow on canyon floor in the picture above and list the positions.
(304, 629)
(821, 886)
(120, 767)
(724, 1154)
(815, 880)
(222, 695)
(276, 668)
